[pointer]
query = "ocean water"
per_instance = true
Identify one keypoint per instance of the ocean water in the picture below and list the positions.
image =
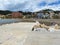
(7, 21)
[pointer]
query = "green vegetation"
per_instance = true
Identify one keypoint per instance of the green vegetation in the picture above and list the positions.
(56, 17)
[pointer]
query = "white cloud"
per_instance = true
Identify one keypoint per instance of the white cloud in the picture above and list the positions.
(27, 5)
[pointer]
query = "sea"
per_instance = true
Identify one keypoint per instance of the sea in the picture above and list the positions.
(8, 21)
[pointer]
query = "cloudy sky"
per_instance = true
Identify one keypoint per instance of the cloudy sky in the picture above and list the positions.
(29, 5)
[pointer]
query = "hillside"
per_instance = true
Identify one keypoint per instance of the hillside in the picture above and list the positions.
(5, 12)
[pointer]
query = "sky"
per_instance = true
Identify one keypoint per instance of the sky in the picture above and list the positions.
(29, 5)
